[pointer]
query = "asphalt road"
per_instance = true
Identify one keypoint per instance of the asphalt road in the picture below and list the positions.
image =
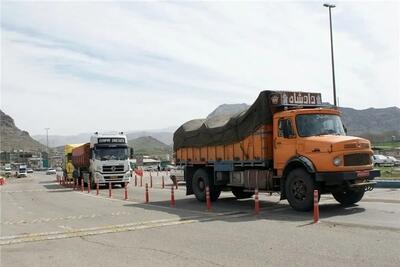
(45, 224)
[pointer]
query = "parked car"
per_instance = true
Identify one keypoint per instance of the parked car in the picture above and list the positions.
(395, 161)
(150, 168)
(381, 160)
(168, 167)
(29, 170)
(7, 170)
(50, 171)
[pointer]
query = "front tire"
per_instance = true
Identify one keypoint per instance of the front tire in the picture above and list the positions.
(348, 197)
(239, 193)
(199, 182)
(299, 189)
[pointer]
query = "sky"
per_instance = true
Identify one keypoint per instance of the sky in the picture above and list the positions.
(98, 66)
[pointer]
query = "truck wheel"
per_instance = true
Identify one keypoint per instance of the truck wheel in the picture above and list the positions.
(299, 190)
(200, 180)
(348, 197)
(239, 193)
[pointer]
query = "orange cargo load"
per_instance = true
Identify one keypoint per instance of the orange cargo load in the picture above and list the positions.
(257, 146)
(81, 156)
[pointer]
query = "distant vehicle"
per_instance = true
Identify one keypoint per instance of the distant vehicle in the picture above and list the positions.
(7, 170)
(169, 167)
(29, 170)
(150, 168)
(177, 174)
(381, 160)
(22, 171)
(50, 171)
(395, 161)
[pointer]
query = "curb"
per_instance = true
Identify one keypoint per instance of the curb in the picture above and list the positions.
(387, 183)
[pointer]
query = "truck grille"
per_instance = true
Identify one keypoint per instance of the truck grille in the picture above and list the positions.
(116, 168)
(357, 159)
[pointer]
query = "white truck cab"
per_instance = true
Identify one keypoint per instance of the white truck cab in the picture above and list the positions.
(109, 161)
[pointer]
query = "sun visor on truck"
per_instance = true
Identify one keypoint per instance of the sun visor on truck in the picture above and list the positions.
(222, 130)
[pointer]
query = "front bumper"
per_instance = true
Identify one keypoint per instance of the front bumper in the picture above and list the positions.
(338, 178)
(102, 178)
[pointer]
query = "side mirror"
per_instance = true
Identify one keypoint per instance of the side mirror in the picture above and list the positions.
(131, 152)
(345, 129)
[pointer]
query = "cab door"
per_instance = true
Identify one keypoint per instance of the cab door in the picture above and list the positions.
(285, 142)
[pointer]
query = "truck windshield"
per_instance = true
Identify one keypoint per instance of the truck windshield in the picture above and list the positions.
(319, 124)
(111, 153)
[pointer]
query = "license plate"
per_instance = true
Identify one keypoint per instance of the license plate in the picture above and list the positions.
(114, 178)
(362, 173)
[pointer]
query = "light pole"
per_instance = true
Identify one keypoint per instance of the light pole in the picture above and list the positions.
(330, 6)
(47, 142)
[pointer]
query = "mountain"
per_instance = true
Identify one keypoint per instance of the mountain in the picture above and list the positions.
(163, 135)
(372, 120)
(148, 145)
(12, 138)
(228, 110)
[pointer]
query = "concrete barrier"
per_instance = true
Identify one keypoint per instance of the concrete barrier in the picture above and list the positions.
(387, 183)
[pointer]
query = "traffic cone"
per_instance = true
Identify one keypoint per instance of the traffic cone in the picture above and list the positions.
(256, 202)
(172, 197)
(126, 191)
(316, 207)
(147, 194)
(208, 199)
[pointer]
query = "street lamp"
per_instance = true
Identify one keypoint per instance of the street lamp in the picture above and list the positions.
(330, 6)
(47, 142)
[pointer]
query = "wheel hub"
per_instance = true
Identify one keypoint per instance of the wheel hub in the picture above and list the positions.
(299, 189)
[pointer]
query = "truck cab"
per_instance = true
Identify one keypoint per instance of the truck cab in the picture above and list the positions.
(109, 161)
(312, 144)
(22, 171)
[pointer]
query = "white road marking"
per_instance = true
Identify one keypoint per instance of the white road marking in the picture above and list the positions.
(14, 239)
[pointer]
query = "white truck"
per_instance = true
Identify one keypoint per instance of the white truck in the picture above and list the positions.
(22, 171)
(105, 159)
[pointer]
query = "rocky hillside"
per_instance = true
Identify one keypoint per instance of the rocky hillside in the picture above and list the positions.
(372, 120)
(13, 138)
(147, 145)
(228, 110)
(61, 140)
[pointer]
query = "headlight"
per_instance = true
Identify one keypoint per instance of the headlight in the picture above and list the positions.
(337, 161)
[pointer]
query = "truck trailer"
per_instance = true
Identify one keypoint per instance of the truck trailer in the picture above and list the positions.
(286, 142)
(105, 159)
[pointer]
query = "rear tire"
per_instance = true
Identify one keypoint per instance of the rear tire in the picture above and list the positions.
(348, 197)
(239, 193)
(299, 190)
(199, 182)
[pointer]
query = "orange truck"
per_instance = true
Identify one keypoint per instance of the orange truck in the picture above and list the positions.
(286, 142)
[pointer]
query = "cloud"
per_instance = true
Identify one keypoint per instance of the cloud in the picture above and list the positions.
(79, 67)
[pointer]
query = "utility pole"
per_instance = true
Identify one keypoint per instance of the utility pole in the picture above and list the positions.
(330, 6)
(47, 145)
